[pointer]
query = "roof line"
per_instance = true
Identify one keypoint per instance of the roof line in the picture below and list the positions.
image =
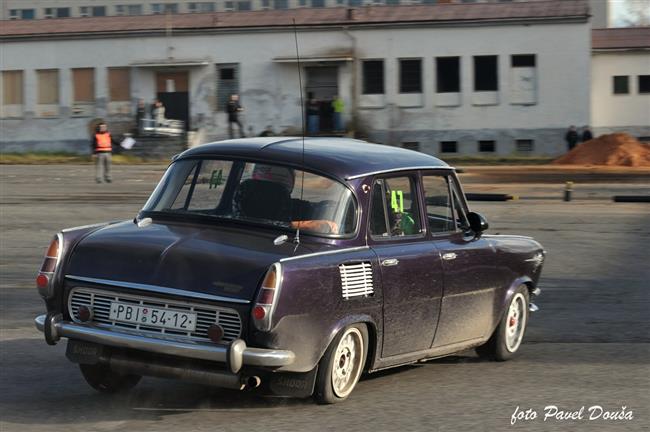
(366, 174)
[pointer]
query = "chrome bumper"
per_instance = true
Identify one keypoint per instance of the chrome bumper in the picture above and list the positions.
(235, 355)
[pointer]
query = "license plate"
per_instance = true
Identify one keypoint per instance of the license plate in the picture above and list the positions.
(153, 317)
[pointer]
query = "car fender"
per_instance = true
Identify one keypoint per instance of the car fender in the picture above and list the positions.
(510, 292)
(373, 334)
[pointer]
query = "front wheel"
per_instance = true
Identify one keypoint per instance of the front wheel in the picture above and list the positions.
(104, 380)
(506, 339)
(341, 366)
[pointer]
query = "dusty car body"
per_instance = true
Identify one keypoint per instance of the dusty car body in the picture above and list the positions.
(289, 266)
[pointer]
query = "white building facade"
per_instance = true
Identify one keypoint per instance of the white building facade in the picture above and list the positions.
(620, 86)
(430, 80)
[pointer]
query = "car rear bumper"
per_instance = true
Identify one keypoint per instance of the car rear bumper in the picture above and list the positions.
(235, 355)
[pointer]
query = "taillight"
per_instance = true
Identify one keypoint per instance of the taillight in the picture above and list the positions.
(48, 268)
(267, 298)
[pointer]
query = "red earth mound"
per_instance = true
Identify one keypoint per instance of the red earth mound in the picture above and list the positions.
(617, 149)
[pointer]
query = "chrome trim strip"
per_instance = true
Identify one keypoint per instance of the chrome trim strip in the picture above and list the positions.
(157, 289)
(213, 352)
(356, 176)
(309, 255)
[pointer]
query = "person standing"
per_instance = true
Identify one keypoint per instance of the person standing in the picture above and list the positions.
(586, 134)
(338, 107)
(159, 113)
(313, 116)
(233, 108)
(571, 137)
(102, 148)
(140, 113)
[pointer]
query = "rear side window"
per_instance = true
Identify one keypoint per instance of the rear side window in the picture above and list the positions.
(440, 216)
(394, 209)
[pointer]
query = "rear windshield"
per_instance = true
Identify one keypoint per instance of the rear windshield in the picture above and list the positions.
(255, 192)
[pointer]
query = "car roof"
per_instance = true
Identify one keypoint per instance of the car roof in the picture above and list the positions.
(344, 158)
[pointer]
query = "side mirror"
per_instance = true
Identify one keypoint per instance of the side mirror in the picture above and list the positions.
(477, 222)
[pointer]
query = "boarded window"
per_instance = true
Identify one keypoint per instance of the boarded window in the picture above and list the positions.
(119, 84)
(621, 84)
(227, 83)
(485, 73)
(487, 146)
(644, 83)
(525, 145)
(447, 74)
(410, 76)
(83, 84)
(523, 79)
(12, 87)
(448, 147)
(373, 76)
(48, 86)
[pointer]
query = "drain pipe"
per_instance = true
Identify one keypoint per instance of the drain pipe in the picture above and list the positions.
(353, 108)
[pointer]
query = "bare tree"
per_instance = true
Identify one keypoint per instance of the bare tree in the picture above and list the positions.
(637, 13)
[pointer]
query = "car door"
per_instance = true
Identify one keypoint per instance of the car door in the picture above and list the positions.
(468, 262)
(411, 271)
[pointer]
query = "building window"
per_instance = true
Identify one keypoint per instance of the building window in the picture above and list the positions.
(47, 93)
(318, 3)
(197, 7)
(525, 145)
(523, 79)
(25, 14)
(12, 87)
(410, 76)
(644, 84)
(119, 84)
(244, 5)
(229, 5)
(83, 85)
(447, 74)
(485, 73)
(86, 11)
(280, 4)
(429, 1)
(354, 3)
(266, 4)
(227, 83)
(128, 9)
(302, 2)
(392, 2)
(486, 146)
(448, 147)
(161, 8)
(621, 84)
(373, 76)
(411, 145)
(56, 12)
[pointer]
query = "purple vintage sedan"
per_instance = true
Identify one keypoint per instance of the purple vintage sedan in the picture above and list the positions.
(289, 266)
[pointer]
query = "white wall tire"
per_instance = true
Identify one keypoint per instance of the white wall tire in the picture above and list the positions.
(340, 368)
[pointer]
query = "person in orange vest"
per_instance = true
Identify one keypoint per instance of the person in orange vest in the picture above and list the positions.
(102, 148)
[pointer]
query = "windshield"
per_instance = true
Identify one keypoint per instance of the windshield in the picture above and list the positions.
(255, 192)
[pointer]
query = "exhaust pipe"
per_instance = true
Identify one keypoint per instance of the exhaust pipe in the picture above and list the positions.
(253, 382)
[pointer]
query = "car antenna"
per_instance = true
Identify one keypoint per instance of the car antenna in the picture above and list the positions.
(296, 240)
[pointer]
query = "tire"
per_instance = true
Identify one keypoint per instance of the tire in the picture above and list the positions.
(506, 339)
(342, 364)
(104, 380)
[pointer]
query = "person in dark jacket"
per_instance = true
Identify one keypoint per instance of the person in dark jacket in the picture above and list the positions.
(571, 137)
(102, 149)
(233, 108)
(586, 134)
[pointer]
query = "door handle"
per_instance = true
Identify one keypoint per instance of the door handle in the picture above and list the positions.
(449, 256)
(390, 262)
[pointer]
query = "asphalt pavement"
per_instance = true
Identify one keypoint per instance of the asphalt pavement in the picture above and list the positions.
(588, 346)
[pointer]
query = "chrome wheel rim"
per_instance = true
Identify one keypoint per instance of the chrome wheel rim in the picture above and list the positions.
(347, 362)
(515, 322)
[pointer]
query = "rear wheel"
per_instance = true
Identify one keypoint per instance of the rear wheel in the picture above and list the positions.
(104, 380)
(341, 366)
(506, 339)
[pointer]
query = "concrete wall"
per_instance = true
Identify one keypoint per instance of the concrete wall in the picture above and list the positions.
(270, 92)
(620, 112)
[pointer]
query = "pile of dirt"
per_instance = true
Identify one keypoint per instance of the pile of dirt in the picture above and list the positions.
(617, 149)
